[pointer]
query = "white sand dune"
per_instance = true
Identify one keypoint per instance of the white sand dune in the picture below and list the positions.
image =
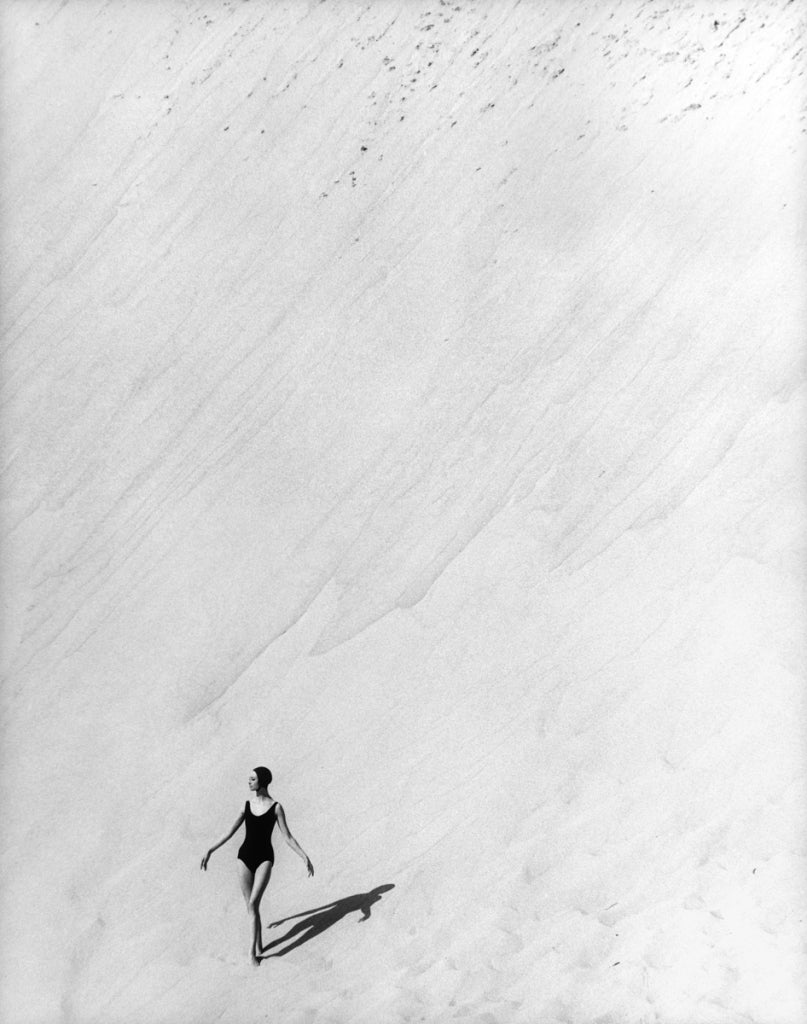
(408, 396)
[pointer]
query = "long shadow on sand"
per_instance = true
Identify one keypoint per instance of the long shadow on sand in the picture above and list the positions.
(311, 923)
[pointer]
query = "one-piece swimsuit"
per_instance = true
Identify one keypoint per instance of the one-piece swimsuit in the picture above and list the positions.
(257, 846)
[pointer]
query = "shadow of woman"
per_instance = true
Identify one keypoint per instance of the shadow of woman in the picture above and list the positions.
(314, 922)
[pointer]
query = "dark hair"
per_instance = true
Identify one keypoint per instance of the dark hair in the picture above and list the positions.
(264, 777)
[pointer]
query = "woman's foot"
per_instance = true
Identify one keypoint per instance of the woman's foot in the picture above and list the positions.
(255, 959)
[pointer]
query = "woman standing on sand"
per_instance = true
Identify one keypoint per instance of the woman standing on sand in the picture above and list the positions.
(255, 853)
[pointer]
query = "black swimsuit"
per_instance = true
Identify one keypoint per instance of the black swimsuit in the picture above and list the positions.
(257, 846)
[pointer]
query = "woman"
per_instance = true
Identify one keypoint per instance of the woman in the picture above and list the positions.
(255, 853)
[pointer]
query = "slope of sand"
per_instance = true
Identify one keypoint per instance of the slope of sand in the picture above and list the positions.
(407, 396)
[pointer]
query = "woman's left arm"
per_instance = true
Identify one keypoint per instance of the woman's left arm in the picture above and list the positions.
(284, 828)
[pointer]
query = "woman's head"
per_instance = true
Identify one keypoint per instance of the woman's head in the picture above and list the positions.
(260, 778)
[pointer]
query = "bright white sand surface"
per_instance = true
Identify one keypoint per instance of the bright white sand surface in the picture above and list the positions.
(407, 396)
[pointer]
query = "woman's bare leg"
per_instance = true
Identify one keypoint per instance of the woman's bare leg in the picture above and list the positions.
(262, 875)
(245, 877)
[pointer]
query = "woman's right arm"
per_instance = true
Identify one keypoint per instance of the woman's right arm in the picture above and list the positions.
(238, 822)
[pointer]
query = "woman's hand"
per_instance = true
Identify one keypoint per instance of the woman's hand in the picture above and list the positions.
(205, 859)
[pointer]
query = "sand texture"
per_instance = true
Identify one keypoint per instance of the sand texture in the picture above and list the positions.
(408, 396)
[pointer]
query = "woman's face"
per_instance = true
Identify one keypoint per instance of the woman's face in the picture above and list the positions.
(253, 781)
